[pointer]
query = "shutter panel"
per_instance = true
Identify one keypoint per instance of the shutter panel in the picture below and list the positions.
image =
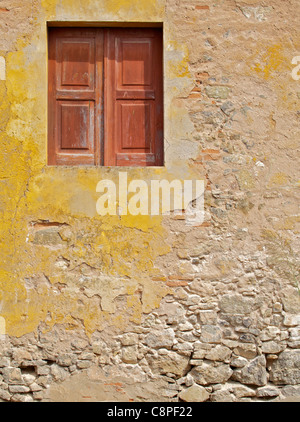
(134, 98)
(73, 95)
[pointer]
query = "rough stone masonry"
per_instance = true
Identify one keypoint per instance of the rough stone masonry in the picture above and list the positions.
(141, 308)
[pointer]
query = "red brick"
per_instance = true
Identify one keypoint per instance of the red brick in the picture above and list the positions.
(210, 151)
(202, 7)
(195, 95)
(209, 157)
(200, 75)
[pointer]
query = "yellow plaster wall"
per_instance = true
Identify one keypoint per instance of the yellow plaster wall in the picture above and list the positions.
(122, 249)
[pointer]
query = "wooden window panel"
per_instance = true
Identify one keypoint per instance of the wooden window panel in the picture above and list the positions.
(75, 96)
(133, 97)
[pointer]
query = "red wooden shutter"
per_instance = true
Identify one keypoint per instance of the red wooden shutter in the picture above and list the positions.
(75, 77)
(133, 97)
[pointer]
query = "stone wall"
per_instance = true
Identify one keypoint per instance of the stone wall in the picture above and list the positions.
(141, 308)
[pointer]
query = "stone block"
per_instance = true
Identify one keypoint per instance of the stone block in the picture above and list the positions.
(219, 353)
(236, 304)
(160, 339)
(291, 320)
(217, 92)
(169, 362)
(254, 373)
(286, 369)
(18, 389)
(246, 350)
(195, 393)
(273, 347)
(211, 373)
(129, 339)
(130, 354)
(211, 334)
(208, 317)
(268, 392)
(4, 395)
(12, 375)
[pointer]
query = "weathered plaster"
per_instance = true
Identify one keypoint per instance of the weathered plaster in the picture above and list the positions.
(36, 192)
(218, 295)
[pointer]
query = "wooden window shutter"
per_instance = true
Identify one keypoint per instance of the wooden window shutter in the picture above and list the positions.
(134, 98)
(75, 83)
(105, 97)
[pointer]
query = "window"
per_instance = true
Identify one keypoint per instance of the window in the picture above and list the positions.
(105, 97)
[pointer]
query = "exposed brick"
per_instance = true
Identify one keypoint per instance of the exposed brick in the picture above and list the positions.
(204, 7)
